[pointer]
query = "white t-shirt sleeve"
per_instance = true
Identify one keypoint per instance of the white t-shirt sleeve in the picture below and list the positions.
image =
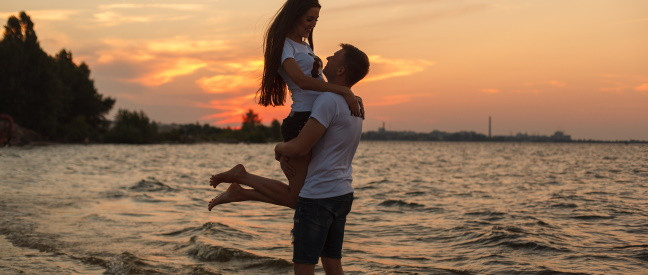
(324, 109)
(288, 51)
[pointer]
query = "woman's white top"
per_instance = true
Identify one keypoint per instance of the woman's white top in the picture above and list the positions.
(303, 54)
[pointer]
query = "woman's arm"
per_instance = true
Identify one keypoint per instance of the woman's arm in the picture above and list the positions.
(314, 84)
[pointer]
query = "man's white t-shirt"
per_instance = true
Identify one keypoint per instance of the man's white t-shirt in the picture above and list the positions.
(304, 56)
(329, 172)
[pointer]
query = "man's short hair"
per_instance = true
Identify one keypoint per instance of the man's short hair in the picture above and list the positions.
(356, 63)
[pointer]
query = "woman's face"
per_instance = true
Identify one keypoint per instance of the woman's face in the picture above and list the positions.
(307, 22)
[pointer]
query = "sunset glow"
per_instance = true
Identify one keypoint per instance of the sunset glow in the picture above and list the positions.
(533, 66)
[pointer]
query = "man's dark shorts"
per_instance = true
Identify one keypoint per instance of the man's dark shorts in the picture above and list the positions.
(293, 124)
(319, 228)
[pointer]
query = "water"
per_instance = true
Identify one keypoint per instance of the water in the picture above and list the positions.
(421, 207)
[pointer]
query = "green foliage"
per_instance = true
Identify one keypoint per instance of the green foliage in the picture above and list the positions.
(132, 127)
(50, 95)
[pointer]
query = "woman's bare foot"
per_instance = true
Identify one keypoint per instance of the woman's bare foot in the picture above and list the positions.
(232, 175)
(232, 194)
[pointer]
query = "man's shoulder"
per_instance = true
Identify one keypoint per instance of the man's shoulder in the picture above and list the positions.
(329, 96)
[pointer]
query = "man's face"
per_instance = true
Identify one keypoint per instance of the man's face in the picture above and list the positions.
(333, 62)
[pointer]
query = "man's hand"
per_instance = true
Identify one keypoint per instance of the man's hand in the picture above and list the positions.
(288, 170)
(277, 154)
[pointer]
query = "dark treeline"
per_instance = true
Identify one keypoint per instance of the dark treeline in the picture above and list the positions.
(136, 127)
(52, 99)
(437, 135)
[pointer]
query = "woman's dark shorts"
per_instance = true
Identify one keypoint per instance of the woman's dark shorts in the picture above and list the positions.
(293, 124)
(319, 228)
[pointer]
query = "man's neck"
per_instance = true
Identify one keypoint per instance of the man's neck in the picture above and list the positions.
(338, 81)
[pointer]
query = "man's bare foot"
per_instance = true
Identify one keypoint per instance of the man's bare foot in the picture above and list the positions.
(232, 194)
(232, 175)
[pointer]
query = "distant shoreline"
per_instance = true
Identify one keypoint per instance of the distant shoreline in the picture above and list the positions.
(43, 144)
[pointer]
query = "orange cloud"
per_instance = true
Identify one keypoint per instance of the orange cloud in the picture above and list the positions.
(243, 74)
(181, 7)
(623, 83)
(164, 60)
(556, 83)
(490, 91)
(109, 18)
(642, 88)
(226, 83)
(391, 100)
(169, 71)
(183, 45)
(231, 110)
(551, 83)
(385, 68)
(48, 15)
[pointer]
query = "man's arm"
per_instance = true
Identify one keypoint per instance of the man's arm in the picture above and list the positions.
(304, 142)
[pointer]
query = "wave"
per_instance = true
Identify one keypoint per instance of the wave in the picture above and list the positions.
(592, 217)
(116, 194)
(488, 215)
(211, 228)
(151, 185)
(564, 205)
(212, 253)
(146, 198)
(401, 203)
(510, 237)
(127, 263)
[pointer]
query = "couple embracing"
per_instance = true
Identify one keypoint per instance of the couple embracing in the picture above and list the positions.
(321, 135)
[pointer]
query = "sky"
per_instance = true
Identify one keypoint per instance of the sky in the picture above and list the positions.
(534, 66)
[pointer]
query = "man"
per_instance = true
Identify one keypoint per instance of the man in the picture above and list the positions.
(332, 134)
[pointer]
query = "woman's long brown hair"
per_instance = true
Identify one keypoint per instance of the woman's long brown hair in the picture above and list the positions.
(273, 87)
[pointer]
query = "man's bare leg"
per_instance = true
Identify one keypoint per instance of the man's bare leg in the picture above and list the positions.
(332, 266)
(304, 269)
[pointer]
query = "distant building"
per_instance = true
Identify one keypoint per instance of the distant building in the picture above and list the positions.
(382, 129)
(560, 137)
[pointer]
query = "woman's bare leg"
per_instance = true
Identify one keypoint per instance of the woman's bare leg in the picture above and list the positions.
(264, 189)
(236, 193)
(300, 166)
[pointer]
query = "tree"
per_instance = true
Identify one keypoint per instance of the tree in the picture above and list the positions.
(132, 127)
(252, 130)
(275, 130)
(50, 95)
(250, 121)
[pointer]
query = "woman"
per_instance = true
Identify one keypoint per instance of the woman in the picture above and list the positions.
(289, 61)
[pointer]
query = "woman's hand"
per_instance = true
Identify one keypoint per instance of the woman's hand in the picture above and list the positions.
(352, 100)
(362, 109)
